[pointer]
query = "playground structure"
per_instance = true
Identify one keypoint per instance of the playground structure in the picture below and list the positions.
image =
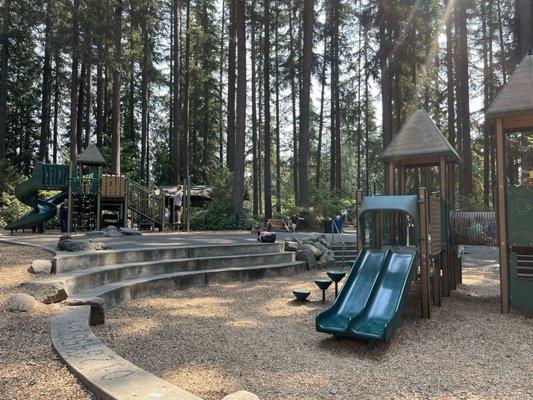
(512, 112)
(400, 237)
(95, 199)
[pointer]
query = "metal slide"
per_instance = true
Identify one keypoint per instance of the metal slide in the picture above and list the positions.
(372, 299)
(45, 177)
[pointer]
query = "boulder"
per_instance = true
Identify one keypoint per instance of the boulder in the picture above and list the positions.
(47, 292)
(325, 242)
(316, 251)
(327, 261)
(40, 267)
(308, 257)
(72, 244)
(21, 302)
(130, 232)
(291, 246)
(241, 395)
(321, 247)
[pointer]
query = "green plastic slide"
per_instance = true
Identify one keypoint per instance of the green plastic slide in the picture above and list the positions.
(45, 177)
(372, 299)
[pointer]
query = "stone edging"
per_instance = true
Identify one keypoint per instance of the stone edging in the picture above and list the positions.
(104, 372)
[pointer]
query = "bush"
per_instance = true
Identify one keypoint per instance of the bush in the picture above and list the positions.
(218, 215)
(10, 207)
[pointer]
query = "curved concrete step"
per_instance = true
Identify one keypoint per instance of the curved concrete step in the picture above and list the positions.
(117, 292)
(99, 368)
(82, 260)
(77, 281)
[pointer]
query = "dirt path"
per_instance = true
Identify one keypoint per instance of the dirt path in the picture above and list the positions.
(29, 368)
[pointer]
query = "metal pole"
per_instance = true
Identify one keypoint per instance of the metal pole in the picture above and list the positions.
(502, 217)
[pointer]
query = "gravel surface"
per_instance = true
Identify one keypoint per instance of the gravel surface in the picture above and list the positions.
(216, 340)
(29, 368)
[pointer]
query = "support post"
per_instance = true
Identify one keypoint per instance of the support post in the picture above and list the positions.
(392, 192)
(403, 218)
(126, 200)
(424, 253)
(502, 217)
(446, 264)
(360, 240)
(99, 199)
(70, 197)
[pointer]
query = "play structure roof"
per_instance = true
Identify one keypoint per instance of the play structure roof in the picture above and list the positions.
(405, 204)
(91, 156)
(419, 142)
(516, 97)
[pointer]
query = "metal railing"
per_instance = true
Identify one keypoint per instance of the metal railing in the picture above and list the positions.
(335, 230)
(145, 203)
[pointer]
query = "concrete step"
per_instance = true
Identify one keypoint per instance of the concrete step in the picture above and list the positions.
(346, 254)
(336, 247)
(117, 292)
(77, 281)
(82, 260)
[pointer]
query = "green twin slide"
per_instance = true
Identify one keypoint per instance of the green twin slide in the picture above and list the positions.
(44, 177)
(372, 298)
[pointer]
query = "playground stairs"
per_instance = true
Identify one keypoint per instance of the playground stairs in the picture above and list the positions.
(112, 276)
(344, 255)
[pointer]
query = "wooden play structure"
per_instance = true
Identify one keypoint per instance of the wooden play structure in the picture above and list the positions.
(511, 113)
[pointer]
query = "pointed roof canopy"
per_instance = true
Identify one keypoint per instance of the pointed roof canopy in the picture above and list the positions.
(516, 97)
(91, 156)
(419, 142)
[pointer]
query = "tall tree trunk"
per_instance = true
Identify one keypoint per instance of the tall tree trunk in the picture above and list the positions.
(487, 96)
(501, 42)
(115, 147)
(206, 95)
(292, 77)
(303, 162)
(278, 116)
(81, 107)
(334, 112)
(367, 111)
(175, 151)
(186, 89)
(99, 98)
(321, 116)
(266, 99)
(145, 82)
(88, 104)
(255, 145)
(230, 145)
(383, 54)
(46, 87)
(4, 63)
(238, 177)
(220, 87)
(463, 97)
(524, 13)
(57, 72)
(73, 132)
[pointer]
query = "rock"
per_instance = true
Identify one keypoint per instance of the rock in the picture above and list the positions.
(308, 257)
(40, 267)
(291, 246)
(325, 242)
(327, 261)
(321, 247)
(21, 302)
(47, 292)
(241, 395)
(316, 251)
(69, 243)
(130, 232)
(97, 309)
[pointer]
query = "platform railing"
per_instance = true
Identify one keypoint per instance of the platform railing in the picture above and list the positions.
(144, 202)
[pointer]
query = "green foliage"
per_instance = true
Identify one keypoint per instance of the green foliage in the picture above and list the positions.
(10, 207)
(218, 215)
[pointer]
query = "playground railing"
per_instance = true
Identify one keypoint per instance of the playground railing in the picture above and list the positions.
(336, 231)
(142, 201)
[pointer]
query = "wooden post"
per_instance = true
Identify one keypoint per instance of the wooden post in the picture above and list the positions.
(424, 253)
(70, 197)
(446, 265)
(99, 199)
(360, 239)
(502, 217)
(392, 192)
(378, 230)
(403, 218)
(126, 200)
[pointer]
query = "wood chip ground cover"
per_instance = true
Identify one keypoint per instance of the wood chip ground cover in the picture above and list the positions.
(216, 340)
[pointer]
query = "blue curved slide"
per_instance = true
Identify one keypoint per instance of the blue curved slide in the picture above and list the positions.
(372, 298)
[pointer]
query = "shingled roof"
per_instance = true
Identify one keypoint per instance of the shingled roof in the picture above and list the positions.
(91, 156)
(419, 140)
(516, 97)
